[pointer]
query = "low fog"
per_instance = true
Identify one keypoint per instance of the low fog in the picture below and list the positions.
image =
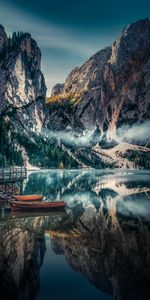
(138, 132)
(70, 137)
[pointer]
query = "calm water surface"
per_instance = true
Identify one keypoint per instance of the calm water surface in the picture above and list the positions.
(99, 248)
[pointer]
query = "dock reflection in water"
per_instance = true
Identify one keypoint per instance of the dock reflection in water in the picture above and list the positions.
(98, 249)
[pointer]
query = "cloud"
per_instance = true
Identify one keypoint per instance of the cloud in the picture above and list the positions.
(70, 137)
(137, 132)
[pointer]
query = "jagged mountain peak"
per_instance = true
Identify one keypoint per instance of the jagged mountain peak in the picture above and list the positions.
(22, 58)
(140, 25)
(80, 78)
(134, 43)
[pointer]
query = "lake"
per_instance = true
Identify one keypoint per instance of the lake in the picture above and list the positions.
(99, 248)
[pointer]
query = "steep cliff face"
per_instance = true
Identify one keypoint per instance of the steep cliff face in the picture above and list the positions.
(111, 88)
(22, 89)
(22, 105)
(21, 79)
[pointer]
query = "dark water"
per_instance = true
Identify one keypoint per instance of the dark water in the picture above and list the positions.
(98, 249)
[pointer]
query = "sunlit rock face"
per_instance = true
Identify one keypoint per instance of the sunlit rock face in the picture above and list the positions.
(22, 249)
(111, 88)
(23, 87)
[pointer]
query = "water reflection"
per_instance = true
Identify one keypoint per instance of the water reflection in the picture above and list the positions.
(104, 235)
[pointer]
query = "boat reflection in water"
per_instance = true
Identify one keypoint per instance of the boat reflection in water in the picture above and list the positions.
(103, 235)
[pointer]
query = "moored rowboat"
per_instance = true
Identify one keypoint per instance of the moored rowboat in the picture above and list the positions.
(29, 197)
(36, 205)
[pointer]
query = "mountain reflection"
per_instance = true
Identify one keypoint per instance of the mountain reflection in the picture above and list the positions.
(22, 249)
(104, 235)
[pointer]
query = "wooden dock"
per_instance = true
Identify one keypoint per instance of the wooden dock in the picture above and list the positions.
(12, 174)
(11, 180)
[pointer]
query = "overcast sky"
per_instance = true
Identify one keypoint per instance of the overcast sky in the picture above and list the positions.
(69, 32)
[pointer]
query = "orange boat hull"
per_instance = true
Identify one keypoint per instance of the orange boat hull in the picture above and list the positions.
(29, 197)
(36, 206)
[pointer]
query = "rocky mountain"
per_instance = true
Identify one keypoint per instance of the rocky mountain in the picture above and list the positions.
(21, 80)
(110, 89)
(23, 105)
(22, 89)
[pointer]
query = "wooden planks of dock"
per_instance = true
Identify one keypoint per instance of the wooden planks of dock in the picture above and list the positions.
(12, 174)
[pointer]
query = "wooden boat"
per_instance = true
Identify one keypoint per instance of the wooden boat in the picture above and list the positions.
(29, 197)
(36, 205)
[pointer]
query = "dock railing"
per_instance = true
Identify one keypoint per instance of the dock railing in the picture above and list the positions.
(12, 174)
